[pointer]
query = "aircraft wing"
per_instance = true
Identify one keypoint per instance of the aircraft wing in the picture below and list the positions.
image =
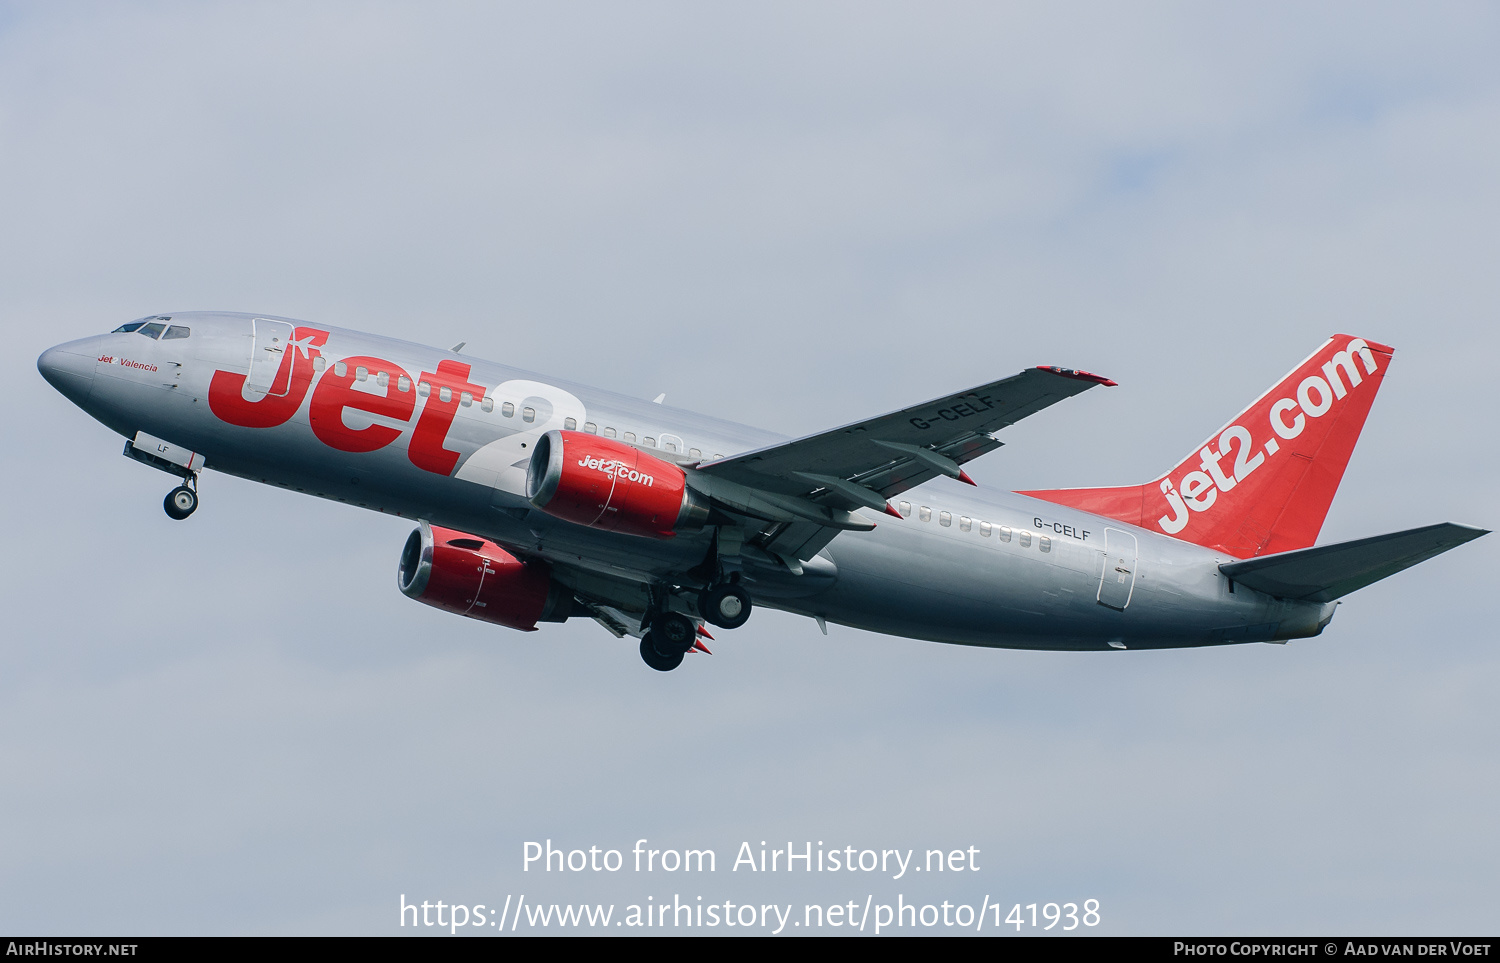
(885, 454)
(860, 465)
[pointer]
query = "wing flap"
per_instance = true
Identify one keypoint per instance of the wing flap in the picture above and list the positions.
(956, 426)
(1328, 572)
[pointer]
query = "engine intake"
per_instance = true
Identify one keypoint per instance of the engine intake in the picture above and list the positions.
(613, 486)
(474, 577)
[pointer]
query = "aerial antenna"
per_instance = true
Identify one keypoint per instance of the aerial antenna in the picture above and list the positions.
(659, 398)
(458, 347)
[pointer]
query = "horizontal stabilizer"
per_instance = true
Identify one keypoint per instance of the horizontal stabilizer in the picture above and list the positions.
(1329, 572)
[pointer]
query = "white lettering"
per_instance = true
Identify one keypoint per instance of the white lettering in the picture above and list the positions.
(618, 470)
(1210, 464)
(1279, 424)
(1243, 465)
(1345, 360)
(1198, 491)
(1304, 395)
(1180, 515)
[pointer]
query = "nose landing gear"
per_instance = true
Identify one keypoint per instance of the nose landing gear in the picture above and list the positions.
(180, 502)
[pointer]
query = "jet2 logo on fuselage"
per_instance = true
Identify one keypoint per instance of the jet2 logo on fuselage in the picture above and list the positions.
(335, 391)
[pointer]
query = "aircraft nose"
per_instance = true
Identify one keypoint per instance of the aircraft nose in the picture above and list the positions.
(70, 368)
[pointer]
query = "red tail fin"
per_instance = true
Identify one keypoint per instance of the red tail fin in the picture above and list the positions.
(1264, 482)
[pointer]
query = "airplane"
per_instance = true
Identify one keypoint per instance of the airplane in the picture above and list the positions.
(538, 500)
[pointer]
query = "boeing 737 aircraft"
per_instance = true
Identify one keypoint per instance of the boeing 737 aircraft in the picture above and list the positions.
(538, 500)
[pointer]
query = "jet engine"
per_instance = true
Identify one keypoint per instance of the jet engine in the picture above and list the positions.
(613, 486)
(474, 577)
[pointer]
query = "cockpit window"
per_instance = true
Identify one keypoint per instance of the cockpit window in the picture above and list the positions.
(137, 325)
(152, 330)
(177, 331)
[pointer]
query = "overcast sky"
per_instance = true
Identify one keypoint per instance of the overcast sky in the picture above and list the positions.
(792, 216)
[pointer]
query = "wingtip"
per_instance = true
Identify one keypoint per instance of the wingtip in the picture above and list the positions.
(1077, 375)
(891, 511)
(963, 476)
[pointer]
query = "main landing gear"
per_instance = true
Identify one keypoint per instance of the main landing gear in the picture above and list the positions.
(180, 502)
(725, 605)
(670, 637)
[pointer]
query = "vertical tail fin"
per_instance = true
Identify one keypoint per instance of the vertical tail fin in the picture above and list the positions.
(1262, 483)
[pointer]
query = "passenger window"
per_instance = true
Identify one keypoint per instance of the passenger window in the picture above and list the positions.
(694, 453)
(924, 514)
(423, 388)
(609, 432)
(339, 368)
(361, 372)
(487, 404)
(152, 330)
(508, 410)
(591, 428)
(177, 331)
(718, 458)
(1044, 543)
(128, 327)
(648, 441)
(403, 383)
(445, 394)
(1025, 538)
(570, 423)
(383, 379)
(320, 362)
(1004, 533)
(465, 399)
(669, 445)
(904, 508)
(945, 519)
(984, 529)
(630, 437)
(528, 415)
(965, 523)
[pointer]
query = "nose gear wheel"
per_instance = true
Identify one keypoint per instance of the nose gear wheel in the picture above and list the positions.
(180, 502)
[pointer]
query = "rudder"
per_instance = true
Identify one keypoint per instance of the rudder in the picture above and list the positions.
(1264, 482)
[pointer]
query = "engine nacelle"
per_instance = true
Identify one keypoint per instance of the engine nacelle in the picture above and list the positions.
(474, 577)
(613, 486)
